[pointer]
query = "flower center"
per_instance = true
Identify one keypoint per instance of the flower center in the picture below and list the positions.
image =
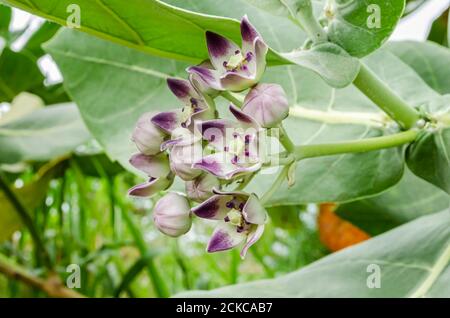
(189, 110)
(238, 61)
(236, 146)
(235, 217)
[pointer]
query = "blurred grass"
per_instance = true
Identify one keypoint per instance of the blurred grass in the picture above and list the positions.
(87, 219)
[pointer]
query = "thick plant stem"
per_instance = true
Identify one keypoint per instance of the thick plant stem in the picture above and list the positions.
(377, 91)
(52, 286)
(365, 145)
(27, 221)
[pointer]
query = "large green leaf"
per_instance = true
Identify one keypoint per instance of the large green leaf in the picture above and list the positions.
(150, 26)
(429, 60)
(18, 73)
(112, 86)
(353, 28)
(429, 158)
(408, 200)
(413, 261)
(42, 135)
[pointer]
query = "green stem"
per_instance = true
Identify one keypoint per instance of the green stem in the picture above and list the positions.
(285, 140)
(383, 96)
(308, 21)
(27, 221)
(358, 146)
(277, 183)
(232, 98)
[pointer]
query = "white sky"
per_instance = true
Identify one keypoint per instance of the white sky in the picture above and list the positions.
(414, 27)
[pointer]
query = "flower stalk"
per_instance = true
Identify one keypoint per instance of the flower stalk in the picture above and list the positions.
(358, 146)
(378, 92)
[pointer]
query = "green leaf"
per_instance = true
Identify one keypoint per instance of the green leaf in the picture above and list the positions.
(429, 158)
(150, 26)
(354, 25)
(5, 19)
(428, 59)
(330, 61)
(18, 73)
(42, 135)
(131, 83)
(408, 200)
(413, 261)
(32, 195)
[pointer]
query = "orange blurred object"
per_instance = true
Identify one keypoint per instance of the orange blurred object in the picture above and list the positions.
(335, 233)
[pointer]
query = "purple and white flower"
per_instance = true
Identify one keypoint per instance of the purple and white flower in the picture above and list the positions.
(196, 105)
(147, 136)
(185, 149)
(157, 168)
(235, 68)
(268, 104)
(242, 219)
(201, 188)
(172, 215)
(236, 146)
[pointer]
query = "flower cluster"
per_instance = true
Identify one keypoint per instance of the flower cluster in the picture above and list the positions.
(207, 152)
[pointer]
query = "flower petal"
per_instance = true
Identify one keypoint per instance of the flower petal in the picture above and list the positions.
(267, 104)
(218, 164)
(224, 238)
(223, 166)
(261, 50)
(182, 159)
(220, 49)
(252, 238)
(237, 81)
(244, 119)
(215, 131)
(147, 136)
(249, 34)
(182, 89)
(167, 121)
(205, 79)
(151, 187)
(215, 208)
(253, 211)
(154, 166)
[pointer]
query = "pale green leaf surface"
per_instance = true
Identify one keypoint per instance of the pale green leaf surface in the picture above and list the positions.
(430, 60)
(429, 158)
(42, 135)
(413, 261)
(411, 198)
